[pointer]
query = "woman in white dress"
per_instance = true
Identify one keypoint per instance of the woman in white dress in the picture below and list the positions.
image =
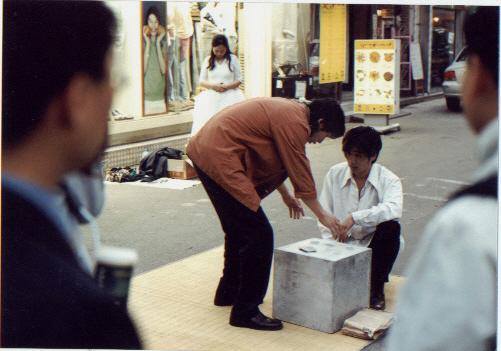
(220, 75)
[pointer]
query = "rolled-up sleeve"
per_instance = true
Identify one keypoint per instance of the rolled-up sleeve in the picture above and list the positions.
(290, 141)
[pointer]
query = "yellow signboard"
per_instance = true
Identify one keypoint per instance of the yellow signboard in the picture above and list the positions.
(377, 77)
(374, 44)
(332, 43)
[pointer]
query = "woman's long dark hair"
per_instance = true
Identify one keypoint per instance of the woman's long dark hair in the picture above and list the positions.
(152, 11)
(219, 39)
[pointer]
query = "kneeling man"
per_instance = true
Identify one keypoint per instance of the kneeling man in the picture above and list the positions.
(367, 198)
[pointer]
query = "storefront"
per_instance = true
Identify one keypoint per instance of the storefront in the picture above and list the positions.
(446, 40)
(309, 50)
(330, 32)
(160, 48)
(429, 37)
(284, 49)
(158, 53)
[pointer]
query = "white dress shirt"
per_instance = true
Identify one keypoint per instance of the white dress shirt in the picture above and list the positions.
(380, 200)
(449, 300)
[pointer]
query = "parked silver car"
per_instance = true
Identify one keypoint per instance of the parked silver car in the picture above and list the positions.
(453, 78)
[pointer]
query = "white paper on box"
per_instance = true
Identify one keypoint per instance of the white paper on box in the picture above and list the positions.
(176, 165)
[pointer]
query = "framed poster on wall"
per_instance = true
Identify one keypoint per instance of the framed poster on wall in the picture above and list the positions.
(377, 76)
(154, 56)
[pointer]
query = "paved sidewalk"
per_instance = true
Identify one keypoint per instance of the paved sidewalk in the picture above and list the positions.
(172, 306)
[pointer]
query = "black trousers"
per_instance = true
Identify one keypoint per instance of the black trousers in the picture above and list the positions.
(248, 248)
(385, 245)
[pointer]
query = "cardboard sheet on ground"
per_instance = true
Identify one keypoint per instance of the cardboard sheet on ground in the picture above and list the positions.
(163, 183)
(367, 324)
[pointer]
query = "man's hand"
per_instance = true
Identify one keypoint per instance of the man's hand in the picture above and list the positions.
(342, 236)
(295, 208)
(294, 205)
(345, 227)
(332, 223)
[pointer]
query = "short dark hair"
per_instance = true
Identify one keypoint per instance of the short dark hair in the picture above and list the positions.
(329, 110)
(45, 44)
(364, 139)
(481, 29)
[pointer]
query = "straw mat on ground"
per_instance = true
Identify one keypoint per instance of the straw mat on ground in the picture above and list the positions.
(173, 309)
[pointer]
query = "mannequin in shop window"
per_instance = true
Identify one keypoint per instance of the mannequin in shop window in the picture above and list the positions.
(172, 58)
(220, 76)
(180, 30)
(155, 52)
(218, 18)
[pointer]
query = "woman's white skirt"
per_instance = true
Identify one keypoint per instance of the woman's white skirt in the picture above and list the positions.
(210, 102)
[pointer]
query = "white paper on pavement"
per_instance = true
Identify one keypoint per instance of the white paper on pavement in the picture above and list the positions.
(163, 183)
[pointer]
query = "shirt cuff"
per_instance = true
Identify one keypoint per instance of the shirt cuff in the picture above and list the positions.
(356, 217)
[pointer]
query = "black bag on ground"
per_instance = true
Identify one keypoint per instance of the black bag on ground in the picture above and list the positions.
(154, 165)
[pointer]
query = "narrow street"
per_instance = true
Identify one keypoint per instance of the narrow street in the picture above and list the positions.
(433, 154)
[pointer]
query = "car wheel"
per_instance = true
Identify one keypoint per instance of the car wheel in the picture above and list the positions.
(453, 104)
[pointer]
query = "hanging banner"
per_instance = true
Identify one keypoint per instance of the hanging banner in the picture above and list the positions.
(332, 43)
(377, 76)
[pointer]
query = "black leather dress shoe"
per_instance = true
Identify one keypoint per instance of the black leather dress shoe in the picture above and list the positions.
(258, 322)
(378, 301)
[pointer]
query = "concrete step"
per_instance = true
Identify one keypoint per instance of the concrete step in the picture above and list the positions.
(130, 154)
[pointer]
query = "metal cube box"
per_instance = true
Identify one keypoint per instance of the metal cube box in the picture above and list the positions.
(320, 289)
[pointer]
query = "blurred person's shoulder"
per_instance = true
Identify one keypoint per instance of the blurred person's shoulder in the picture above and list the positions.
(470, 220)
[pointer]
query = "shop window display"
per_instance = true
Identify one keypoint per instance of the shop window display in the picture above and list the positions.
(442, 50)
(176, 38)
(217, 18)
(180, 27)
(119, 75)
(291, 73)
(393, 23)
